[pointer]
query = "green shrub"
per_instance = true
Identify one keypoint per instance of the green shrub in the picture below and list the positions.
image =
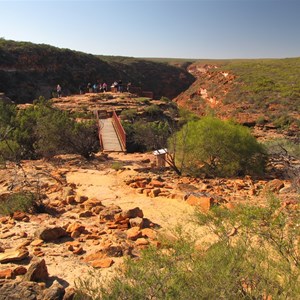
(153, 111)
(117, 165)
(151, 135)
(282, 146)
(128, 114)
(261, 120)
(83, 139)
(215, 147)
(22, 201)
(165, 99)
(9, 150)
(143, 100)
(261, 260)
(43, 131)
(283, 121)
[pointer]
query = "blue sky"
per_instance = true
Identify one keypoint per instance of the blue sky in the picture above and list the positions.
(159, 28)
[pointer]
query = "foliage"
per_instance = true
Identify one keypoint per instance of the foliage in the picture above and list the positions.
(129, 114)
(152, 135)
(153, 111)
(186, 116)
(21, 201)
(216, 147)
(9, 150)
(117, 165)
(260, 261)
(143, 100)
(266, 81)
(83, 139)
(150, 129)
(165, 99)
(283, 146)
(283, 121)
(43, 131)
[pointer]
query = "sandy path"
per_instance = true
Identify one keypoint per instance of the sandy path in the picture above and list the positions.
(111, 189)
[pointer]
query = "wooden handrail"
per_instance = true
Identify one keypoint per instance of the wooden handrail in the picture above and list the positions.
(119, 130)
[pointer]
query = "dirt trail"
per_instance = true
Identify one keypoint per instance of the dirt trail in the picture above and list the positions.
(107, 185)
(110, 188)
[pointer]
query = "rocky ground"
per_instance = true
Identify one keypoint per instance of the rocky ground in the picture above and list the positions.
(94, 214)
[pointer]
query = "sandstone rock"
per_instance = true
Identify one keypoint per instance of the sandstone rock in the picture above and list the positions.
(20, 290)
(85, 214)
(48, 234)
(37, 272)
(68, 191)
(113, 251)
(155, 192)
(81, 199)
(136, 222)
(93, 202)
(109, 212)
(94, 256)
(20, 216)
(71, 199)
(145, 161)
(20, 270)
(13, 255)
(75, 234)
(92, 237)
(274, 186)
(75, 227)
(55, 292)
(140, 190)
(134, 233)
(38, 242)
(73, 244)
(102, 263)
(4, 220)
(204, 203)
(142, 242)
(6, 274)
(149, 233)
(157, 184)
(133, 213)
(78, 251)
(147, 192)
(23, 234)
(7, 235)
(24, 244)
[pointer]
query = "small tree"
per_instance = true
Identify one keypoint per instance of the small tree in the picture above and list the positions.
(259, 261)
(83, 139)
(216, 147)
(153, 135)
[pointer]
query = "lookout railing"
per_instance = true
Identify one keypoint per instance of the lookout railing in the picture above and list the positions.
(119, 130)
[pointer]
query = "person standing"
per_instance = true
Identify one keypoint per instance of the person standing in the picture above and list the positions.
(58, 90)
(128, 87)
(104, 87)
(81, 89)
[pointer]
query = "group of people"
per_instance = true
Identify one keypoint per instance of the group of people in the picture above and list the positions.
(117, 86)
(93, 88)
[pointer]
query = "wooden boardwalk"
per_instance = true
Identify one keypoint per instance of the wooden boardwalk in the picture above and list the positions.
(109, 136)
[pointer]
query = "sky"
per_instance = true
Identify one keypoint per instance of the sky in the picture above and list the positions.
(208, 29)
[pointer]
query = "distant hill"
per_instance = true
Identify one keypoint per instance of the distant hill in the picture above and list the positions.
(253, 91)
(29, 70)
